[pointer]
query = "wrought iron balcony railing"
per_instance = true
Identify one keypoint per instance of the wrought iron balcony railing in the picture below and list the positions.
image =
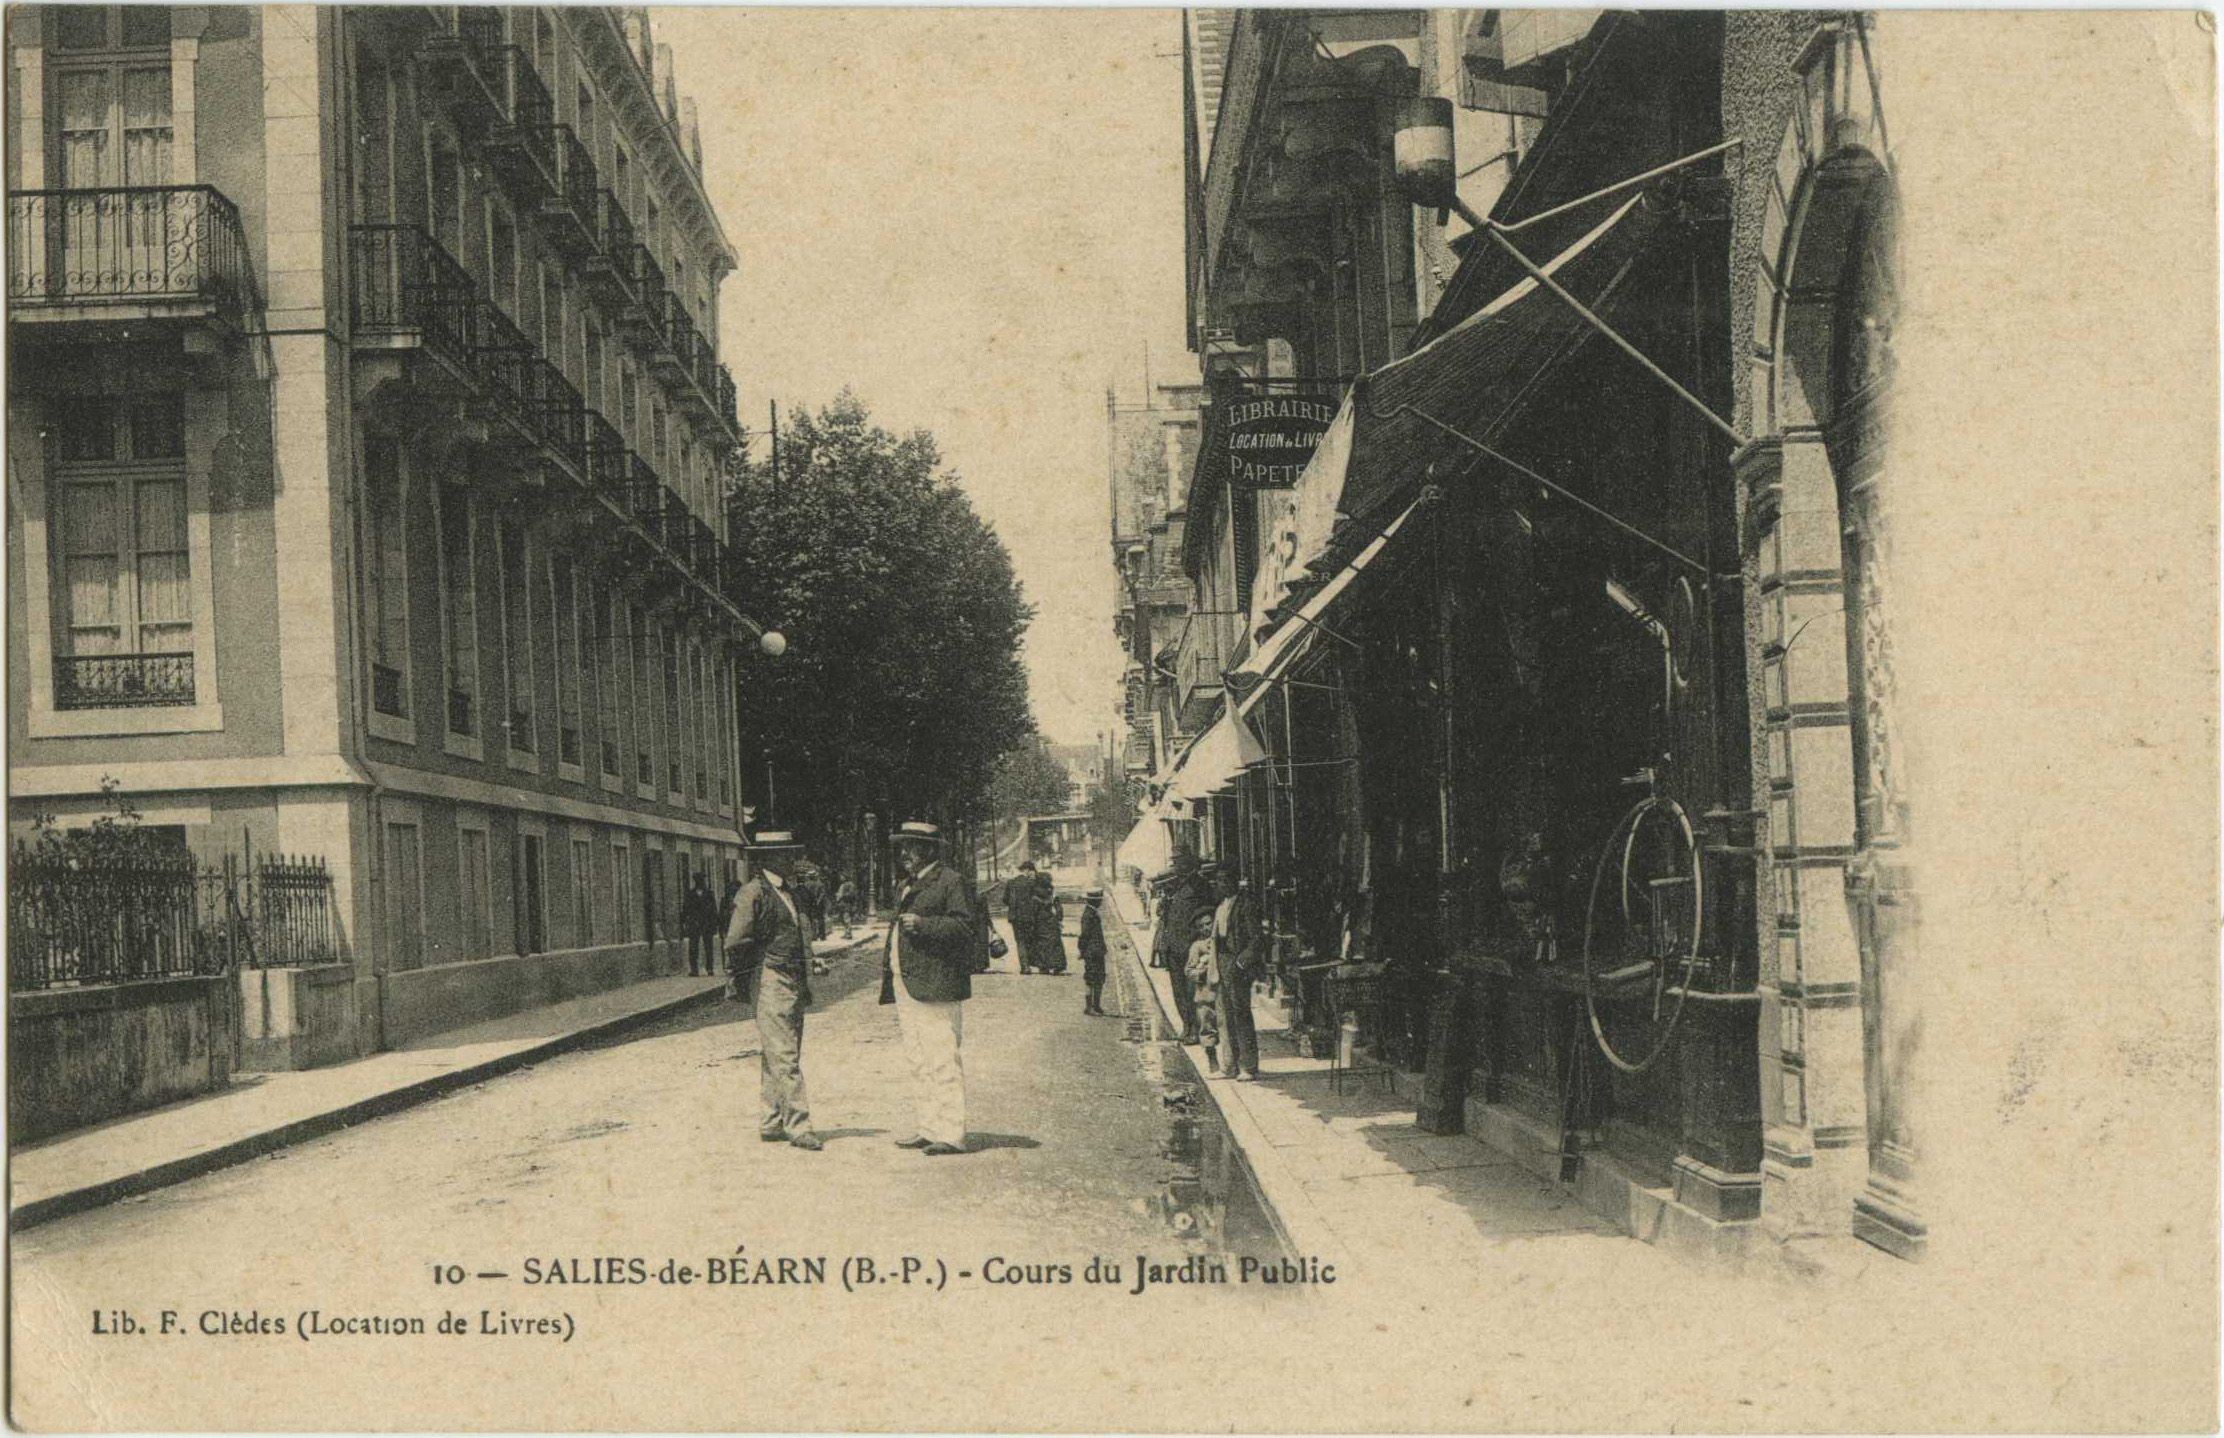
(558, 412)
(727, 399)
(573, 212)
(502, 359)
(607, 459)
(122, 681)
(138, 244)
(645, 495)
(525, 144)
(404, 283)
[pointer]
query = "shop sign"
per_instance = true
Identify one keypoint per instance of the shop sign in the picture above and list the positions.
(1271, 438)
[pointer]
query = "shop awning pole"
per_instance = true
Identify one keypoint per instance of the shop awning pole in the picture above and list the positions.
(1614, 189)
(1536, 272)
(1564, 492)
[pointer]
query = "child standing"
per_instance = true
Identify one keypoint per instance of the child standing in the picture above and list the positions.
(1091, 944)
(1204, 973)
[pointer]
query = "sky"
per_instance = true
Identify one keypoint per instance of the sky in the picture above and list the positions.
(974, 219)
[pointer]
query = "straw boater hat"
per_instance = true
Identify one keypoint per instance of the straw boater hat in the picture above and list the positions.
(773, 841)
(918, 831)
(1094, 894)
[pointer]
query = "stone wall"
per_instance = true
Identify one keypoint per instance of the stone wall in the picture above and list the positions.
(82, 1056)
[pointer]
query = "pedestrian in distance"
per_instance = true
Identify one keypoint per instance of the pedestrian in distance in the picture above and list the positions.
(1237, 947)
(699, 922)
(1019, 908)
(726, 909)
(1092, 947)
(1050, 926)
(845, 904)
(927, 973)
(1203, 968)
(771, 935)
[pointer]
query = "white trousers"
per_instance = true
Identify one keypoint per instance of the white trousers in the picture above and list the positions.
(933, 1037)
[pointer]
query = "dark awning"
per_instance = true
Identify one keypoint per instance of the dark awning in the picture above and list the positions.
(1476, 376)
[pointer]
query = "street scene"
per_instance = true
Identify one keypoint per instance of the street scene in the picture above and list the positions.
(1189, 720)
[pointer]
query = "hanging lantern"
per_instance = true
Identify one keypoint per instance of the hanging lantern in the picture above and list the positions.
(1421, 146)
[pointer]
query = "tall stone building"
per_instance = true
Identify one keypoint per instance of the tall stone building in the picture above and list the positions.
(1151, 452)
(365, 410)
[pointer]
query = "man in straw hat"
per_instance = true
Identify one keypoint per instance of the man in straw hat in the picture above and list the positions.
(928, 975)
(771, 934)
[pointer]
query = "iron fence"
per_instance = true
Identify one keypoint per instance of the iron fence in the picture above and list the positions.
(81, 919)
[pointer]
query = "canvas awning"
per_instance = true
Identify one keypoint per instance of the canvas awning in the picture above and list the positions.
(1215, 761)
(1273, 656)
(1477, 375)
(1147, 847)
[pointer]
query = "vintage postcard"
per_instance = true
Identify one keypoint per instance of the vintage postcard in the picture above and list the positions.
(1047, 720)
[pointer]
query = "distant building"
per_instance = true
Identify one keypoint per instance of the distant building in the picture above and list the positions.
(1152, 450)
(365, 415)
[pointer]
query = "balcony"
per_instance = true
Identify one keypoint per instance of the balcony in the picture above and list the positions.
(86, 260)
(464, 65)
(502, 361)
(645, 496)
(406, 292)
(643, 317)
(609, 268)
(558, 413)
(678, 529)
(122, 681)
(573, 213)
(608, 460)
(674, 358)
(523, 145)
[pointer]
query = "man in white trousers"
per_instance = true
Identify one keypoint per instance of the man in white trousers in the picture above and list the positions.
(928, 975)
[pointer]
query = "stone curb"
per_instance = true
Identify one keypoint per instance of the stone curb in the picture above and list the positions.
(1297, 1221)
(378, 1105)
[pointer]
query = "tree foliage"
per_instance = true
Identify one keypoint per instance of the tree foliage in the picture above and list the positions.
(1029, 783)
(1113, 807)
(903, 683)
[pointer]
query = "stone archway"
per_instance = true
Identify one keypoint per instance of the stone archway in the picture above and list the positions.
(1840, 1137)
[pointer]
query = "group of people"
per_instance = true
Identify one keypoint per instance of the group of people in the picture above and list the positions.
(936, 943)
(705, 918)
(1038, 920)
(1210, 942)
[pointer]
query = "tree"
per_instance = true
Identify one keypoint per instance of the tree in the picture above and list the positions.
(903, 682)
(1113, 807)
(1028, 783)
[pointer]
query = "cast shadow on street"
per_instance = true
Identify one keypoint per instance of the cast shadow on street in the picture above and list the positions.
(980, 1142)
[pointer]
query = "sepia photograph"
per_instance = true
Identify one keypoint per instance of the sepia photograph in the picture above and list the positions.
(1111, 720)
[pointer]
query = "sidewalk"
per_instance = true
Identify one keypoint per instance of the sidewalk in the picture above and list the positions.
(1348, 1176)
(260, 1113)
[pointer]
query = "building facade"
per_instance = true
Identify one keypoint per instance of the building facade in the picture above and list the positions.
(1151, 450)
(365, 418)
(1577, 588)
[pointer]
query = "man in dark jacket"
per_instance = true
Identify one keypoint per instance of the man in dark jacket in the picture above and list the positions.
(1092, 946)
(699, 920)
(772, 935)
(1177, 926)
(1237, 944)
(928, 976)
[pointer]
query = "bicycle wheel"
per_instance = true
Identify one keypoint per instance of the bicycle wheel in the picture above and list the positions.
(1624, 836)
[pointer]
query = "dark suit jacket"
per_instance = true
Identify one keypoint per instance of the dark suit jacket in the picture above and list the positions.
(938, 959)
